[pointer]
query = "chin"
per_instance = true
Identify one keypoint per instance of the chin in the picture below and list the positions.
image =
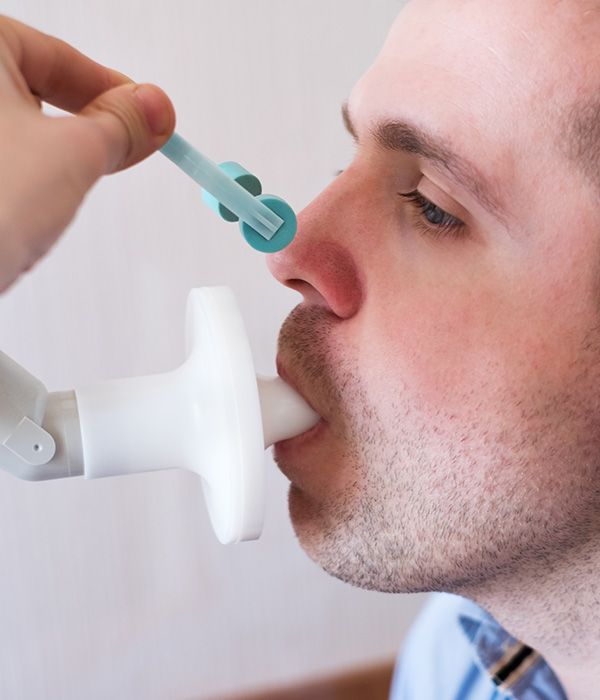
(323, 535)
(343, 543)
(309, 523)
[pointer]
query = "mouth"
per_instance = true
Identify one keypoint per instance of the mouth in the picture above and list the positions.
(289, 379)
(303, 438)
(313, 432)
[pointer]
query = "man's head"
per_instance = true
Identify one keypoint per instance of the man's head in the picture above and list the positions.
(449, 332)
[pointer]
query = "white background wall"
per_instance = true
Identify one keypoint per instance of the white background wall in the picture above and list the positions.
(117, 588)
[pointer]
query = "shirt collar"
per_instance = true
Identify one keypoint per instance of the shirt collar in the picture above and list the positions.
(513, 666)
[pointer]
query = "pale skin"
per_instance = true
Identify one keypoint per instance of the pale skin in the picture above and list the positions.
(458, 375)
(48, 164)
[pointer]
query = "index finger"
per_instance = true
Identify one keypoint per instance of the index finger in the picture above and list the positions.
(55, 71)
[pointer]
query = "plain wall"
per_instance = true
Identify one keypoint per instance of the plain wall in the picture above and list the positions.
(117, 588)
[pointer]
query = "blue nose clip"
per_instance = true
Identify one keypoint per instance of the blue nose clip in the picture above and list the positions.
(267, 222)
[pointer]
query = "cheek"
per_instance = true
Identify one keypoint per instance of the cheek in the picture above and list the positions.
(431, 354)
(462, 351)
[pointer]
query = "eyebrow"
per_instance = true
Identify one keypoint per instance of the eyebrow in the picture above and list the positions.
(401, 135)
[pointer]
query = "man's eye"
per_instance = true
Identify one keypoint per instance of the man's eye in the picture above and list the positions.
(432, 219)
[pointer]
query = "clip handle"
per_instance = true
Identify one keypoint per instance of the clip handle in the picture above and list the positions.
(231, 195)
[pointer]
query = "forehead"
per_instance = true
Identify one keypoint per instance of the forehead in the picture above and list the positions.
(530, 45)
(492, 78)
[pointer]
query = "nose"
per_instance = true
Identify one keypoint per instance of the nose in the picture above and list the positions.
(320, 262)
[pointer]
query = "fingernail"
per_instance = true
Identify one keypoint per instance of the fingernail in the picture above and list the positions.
(156, 110)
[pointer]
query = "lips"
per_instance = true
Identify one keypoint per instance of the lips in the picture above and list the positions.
(288, 378)
(291, 380)
(305, 437)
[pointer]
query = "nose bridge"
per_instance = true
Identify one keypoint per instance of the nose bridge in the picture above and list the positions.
(332, 207)
(321, 262)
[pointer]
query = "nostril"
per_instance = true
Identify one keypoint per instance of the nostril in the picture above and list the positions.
(323, 270)
(296, 283)
(311, 294)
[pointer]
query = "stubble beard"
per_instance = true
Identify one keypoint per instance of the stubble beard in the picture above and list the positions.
(427, 505)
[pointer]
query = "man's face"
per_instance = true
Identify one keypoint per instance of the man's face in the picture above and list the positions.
(448, 332)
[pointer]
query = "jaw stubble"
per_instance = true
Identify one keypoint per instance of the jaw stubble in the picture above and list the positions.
(418, 501)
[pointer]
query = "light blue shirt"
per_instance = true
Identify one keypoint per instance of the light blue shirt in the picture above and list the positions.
(456, 651)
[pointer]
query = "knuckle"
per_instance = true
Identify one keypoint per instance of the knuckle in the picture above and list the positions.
(125, 115)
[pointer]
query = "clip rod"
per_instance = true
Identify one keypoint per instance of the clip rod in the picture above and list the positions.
(226, 190)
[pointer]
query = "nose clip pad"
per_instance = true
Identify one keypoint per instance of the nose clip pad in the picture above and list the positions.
(284, 234)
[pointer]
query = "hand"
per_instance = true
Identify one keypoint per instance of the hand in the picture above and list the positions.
(47, 164)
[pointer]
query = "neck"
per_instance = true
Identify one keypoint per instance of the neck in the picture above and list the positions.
(556, 610)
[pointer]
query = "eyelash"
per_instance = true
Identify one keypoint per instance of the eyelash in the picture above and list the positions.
(448, 225)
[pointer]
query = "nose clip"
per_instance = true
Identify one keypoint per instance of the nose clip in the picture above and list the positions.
(284, 234)
(240, 175)
(267, 222)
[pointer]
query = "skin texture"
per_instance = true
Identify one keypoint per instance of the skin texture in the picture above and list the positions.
(54, 161)
(458, 376)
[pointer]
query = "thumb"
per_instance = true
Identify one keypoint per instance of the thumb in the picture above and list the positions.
(121, 127)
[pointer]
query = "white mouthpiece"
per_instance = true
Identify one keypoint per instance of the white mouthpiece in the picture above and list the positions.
(284, 412)
(211, 416)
